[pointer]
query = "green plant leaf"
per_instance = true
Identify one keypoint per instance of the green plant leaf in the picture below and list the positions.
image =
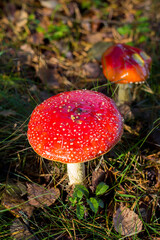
(126, 29)
(31, 17)
(101, 188)
(80, 211)
(73, 200)
(57, 32)
(94, 204)
(82, 189)
(40, 29)
(143, 19)
(100, 202)
(1, 53)
(78, 195)
(142, 39)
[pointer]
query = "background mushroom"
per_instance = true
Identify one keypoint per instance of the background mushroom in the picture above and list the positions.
(123, 65)
(75, 127)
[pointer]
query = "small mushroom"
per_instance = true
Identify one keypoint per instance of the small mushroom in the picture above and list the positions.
(123, 65)
(75, 127)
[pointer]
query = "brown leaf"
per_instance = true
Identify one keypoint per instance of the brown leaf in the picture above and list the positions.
(17, 189)
(95, 37)
(158, 180)
(17, 206)
(52, 4)
(126, 222)
(36, 38)
(38, 196)
(91, 70)
(27, 49)
(26, 55)
(91, 20)
(48, 76)
(146, 204)
(96, 51)
(97, 177)
(20, 231)
(21, 18)
(126, 111)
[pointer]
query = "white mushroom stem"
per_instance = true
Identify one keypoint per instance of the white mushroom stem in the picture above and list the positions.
(124, 93)
(76, 173)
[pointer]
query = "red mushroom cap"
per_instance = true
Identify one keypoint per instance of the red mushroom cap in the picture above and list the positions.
(75, 126)
(125, 64)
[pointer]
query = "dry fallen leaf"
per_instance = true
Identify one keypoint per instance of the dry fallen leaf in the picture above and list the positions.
(26, 55)
(146, 204)
(21, 18)
(27, 49)
(95, 37)
(17, 189)
(126, 222)
(91, 70)
(52, 4)
(36, 38)
(97, 177)
(48, 75)
(126, 111)
(96, 51)
(20, 231)
(17, 206)
(38, 196)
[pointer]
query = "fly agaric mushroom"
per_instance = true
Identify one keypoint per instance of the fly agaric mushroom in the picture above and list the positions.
(123, 65)
(75, 127)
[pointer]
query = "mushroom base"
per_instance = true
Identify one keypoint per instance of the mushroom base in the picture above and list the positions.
(76, 173)
(124, 93)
